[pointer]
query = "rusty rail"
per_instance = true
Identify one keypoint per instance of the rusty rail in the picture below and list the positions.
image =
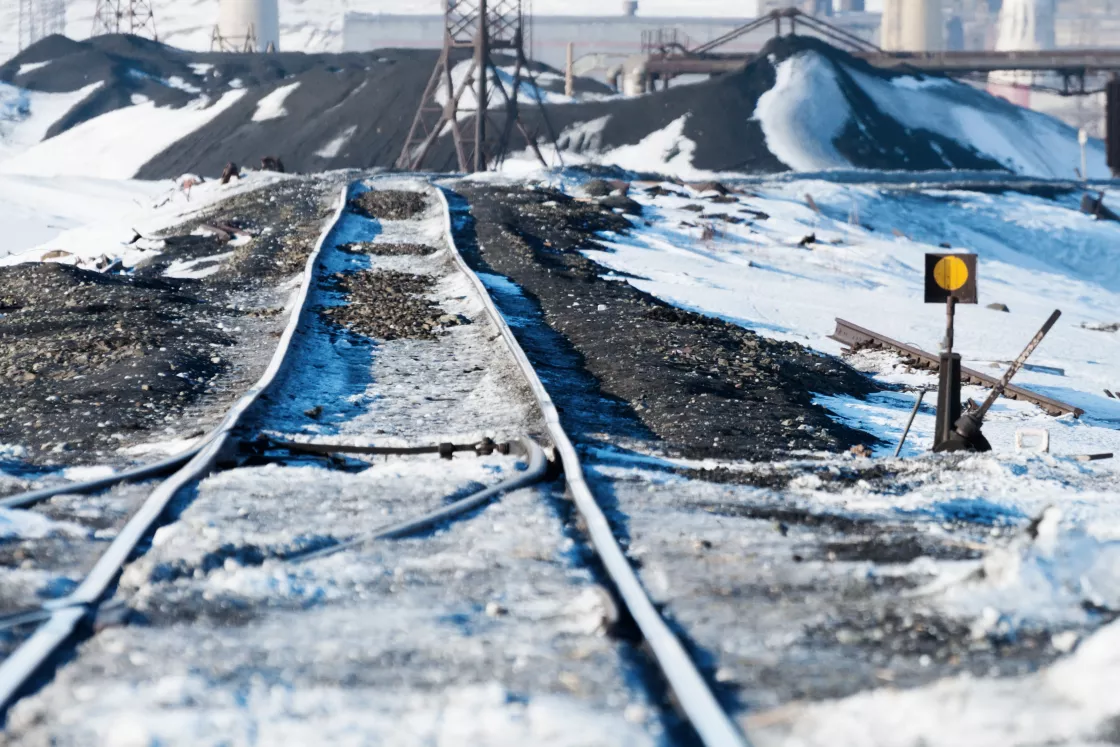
(855, 336)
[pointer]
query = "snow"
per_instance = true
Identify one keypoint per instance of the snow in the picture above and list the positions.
(1064, 704)
(28, 67)
(667, 150)
(30, 525)
(90, 218)
(37, 211)
(26, 116)
(116, 144)
(1035, 254)
(197, 268)
(271, 106)
(334, 147)
(806, 110)
(1025, 142)
(803, 113)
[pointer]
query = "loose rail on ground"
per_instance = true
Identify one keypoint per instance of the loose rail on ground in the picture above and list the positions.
(855, 336)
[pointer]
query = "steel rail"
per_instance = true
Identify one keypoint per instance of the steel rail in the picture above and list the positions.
(535, 471)
(67, 612)
(31, 497)
(714, 726)
(855, 336)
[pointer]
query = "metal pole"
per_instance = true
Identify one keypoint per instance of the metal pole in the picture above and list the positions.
(910, 422)
(482, 57)
(950, 315)
(570, 76)
(1014, 368)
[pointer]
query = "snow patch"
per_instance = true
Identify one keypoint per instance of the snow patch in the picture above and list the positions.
(28, 67)
(271, 106)
(334, 147)
(117, 144)
(1072, 702)
(803, 113)
(196, 269)
(1024, 141)
(31, 525)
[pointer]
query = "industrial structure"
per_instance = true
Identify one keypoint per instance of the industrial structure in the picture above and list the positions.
(912, 25)
(247, 26)
(463, 85)
(124, 17)
(39, 19)
(610, 39)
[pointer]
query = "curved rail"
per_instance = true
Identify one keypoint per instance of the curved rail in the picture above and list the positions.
(715, 727)
(67, 612)
(31, 497)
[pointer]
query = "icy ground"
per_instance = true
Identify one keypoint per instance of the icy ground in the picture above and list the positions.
(488, 631)
(864, 263)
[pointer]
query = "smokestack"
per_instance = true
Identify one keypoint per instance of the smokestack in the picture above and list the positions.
(1026, 25)
(630, 7)
(912, 26)
(255, 21)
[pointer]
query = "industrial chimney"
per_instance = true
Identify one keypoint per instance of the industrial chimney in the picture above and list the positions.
(247, 26)
(912, 26)
(629, 7)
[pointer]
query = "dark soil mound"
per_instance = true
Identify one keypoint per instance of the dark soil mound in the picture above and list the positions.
(96, 361)
(354, 110)
(363, 102)
(120, 352)
(706, 387)
(719, 120)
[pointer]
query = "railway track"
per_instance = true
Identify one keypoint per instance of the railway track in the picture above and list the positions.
(57, 623)
(855, 337)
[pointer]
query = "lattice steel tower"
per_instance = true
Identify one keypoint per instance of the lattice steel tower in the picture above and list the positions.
(461, 94)
(39, 19)
(124, 17)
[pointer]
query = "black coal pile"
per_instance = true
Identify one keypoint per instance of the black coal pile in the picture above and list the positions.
(720, 120)
(121, 353)
(362, 103)
(354, 110)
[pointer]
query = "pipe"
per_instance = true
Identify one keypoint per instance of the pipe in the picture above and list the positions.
(535, 472)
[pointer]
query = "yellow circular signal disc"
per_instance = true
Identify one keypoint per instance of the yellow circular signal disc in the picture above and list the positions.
(951, 273)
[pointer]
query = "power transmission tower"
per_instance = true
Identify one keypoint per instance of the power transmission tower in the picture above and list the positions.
(124, 17)
(461, 90)
(39, 19)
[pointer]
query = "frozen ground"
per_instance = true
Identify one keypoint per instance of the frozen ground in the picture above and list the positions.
(488, 631)
(51, 198)
(864, 264)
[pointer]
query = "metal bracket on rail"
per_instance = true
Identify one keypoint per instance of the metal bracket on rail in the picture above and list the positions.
(446, 450)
